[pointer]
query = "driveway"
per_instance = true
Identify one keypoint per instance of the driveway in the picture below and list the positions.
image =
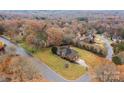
(109, 48)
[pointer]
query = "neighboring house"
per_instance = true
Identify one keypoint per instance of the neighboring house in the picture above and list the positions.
(116, 38)
(88, 37)
(20, 34)
(67, 53)
(21, 31)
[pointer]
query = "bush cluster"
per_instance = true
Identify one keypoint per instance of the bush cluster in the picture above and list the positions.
(93, 48)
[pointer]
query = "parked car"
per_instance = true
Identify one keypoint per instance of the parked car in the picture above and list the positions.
(2, 47)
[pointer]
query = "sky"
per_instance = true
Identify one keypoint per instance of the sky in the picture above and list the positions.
(61, 4)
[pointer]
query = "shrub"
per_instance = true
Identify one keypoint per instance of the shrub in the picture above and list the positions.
(2, 29)
(118, 47)
(101, 52)
(121, 46)
(93, 48)
(54, 50)
(100, 32)
(117, 60)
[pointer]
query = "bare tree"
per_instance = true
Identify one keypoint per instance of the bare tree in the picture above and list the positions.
(107, 72)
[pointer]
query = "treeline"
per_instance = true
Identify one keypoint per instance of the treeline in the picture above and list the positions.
(118, 58)
(41, 33)
(93, 48)
(34, 34)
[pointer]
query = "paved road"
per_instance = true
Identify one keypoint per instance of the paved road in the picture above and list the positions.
(109, 48)
(46, 72)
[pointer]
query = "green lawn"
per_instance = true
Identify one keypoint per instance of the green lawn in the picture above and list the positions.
(57, 64)
(91, 59)
(74, 71)
(28, 48)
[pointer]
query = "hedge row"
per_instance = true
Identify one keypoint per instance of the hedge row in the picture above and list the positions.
(93, 48)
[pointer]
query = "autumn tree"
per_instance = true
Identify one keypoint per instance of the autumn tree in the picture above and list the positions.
(11, 26)
(18, 69)
(107, 72)
(2, 29)
(55, 36)
(41, 39)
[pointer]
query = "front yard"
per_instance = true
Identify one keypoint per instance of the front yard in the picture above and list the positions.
(73, 72)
